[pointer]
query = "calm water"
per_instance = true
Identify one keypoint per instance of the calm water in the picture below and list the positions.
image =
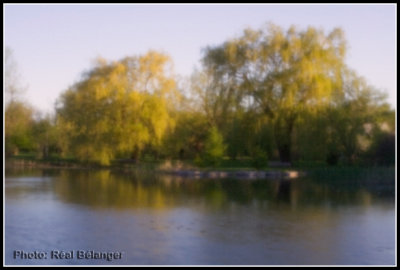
(162, 220)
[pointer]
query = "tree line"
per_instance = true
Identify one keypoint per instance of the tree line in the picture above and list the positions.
(267, 94)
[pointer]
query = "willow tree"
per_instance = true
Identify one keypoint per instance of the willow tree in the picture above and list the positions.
(118, 107)
(279, 73)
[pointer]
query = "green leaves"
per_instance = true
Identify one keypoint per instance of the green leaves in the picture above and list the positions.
(214, 148)
(118, 108)
(281, 72)
(18, 125)
(268, 92)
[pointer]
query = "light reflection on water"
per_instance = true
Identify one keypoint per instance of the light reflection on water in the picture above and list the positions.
(160, 219)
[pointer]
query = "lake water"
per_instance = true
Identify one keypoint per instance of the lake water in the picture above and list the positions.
(142, 218)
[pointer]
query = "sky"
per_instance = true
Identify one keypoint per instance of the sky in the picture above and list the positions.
(54, 44)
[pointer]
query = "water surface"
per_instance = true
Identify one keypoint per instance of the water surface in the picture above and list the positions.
(162, 220)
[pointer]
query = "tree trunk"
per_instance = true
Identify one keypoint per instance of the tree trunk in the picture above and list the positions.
(283, 137)
(285, 152)
(45, 151)
(135, 155)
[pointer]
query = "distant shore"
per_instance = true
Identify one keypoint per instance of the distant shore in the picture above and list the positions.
(372, 174)
(185, 172)
(242, 174)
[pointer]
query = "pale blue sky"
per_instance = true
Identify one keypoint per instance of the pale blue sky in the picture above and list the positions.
(54, 44)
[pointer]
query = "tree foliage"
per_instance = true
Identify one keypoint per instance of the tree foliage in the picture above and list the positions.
(18, 120)
(279, 73)
(47, 137)
(265, 94)
(119, 108)
(353, 117)
(186, 139)
(214, 148)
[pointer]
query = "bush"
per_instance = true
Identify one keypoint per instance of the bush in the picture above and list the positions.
(259, 159)
(214, 149)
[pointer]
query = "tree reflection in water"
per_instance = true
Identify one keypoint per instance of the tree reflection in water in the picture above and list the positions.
(143, 189)
(161, 219)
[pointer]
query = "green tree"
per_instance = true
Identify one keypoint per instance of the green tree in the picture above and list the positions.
(119, 108)
(311, 140)
(18, 115)
(214, 148)
(259, 158)
(279, 73)
(18, 120)
(47, 137)
(353, 117)
(186, 139)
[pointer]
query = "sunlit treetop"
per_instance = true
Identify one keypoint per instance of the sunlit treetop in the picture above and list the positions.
(119, 107)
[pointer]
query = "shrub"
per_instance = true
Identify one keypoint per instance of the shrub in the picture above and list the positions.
(214, 149)
(259, 158)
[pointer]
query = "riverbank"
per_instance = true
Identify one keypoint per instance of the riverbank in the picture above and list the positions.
(241, 174)
(187, 170)
(179, 169)
(16, 163)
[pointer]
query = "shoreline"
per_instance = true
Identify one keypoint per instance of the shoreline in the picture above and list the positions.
(195, 173)
(374, 174)
(239, 174)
